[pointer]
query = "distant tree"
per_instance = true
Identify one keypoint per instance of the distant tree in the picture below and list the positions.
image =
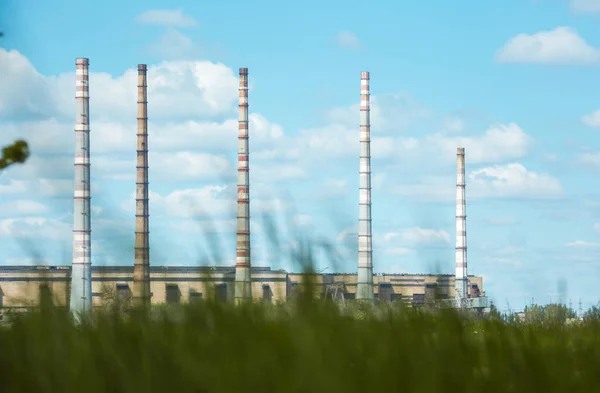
(554, 313)
(558, 313)
(494, 313)
(18, 152)
(592, 315)
(534, 314)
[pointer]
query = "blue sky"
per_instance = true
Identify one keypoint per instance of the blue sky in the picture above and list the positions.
(514, 82)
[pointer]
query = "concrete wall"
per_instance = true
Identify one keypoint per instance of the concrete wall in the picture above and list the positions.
(20, 285)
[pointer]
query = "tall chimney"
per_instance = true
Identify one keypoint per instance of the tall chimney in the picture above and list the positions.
(242, 261)
(81, 271)
(461, 279)
(141, 267)
(364, 290)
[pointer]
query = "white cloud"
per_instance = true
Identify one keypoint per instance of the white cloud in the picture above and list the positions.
(585, 6)
(347, 234)
(35, 228)
(23, 207)
(454, 124)
(270, 173)
(592, 119)
(174, 45)
(499, 142)
(512, 181)
(561, 45)
(176, 90)
(347, 40)
(389, 112)
(189, 166)
(168, 18)
(591, 160)
(25, 92)
(303, 220)
(499, 181)
(418, 237)
(582, 244)
(331, 188)
(13, 187)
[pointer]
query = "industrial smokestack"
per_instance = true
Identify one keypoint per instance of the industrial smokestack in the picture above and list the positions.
(141, 267)
(242, 261)
(364, 290)
(81, 272)
(461, 279)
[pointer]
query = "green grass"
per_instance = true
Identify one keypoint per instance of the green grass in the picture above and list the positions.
(305, 346)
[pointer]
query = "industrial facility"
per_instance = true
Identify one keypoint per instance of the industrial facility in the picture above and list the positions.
(82, 286)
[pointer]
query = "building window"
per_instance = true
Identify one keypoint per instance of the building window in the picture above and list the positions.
(45, 292)
(385, 292)
(221, 292)
(397, 297)
(195, 296)
(432, 293)
(173, 293)
(267, 294)
(418, 299)
(123, 292)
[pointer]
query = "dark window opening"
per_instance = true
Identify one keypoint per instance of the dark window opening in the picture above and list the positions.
(418, 299)
(397, 297)
(432, 293)
(221, 292)
(267, 293)
(123, 292)
(173, 293)
(385, 292)
(45, 292)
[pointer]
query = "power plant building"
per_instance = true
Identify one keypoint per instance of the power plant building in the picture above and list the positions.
(82, 285)
(21, 286)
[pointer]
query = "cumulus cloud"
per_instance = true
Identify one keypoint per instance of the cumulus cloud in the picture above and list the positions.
(35, 228)
(347, 40)
(454, 124)
(192, 90)
(592, 119)
(585, 6)
(168, 18)
(174, 45)
(591, 160)
(498, 181)
(176, 90)
(498, 143)
(25, 92)
(389, 112)
(23, 207)
(562, 45)
(513, 181)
